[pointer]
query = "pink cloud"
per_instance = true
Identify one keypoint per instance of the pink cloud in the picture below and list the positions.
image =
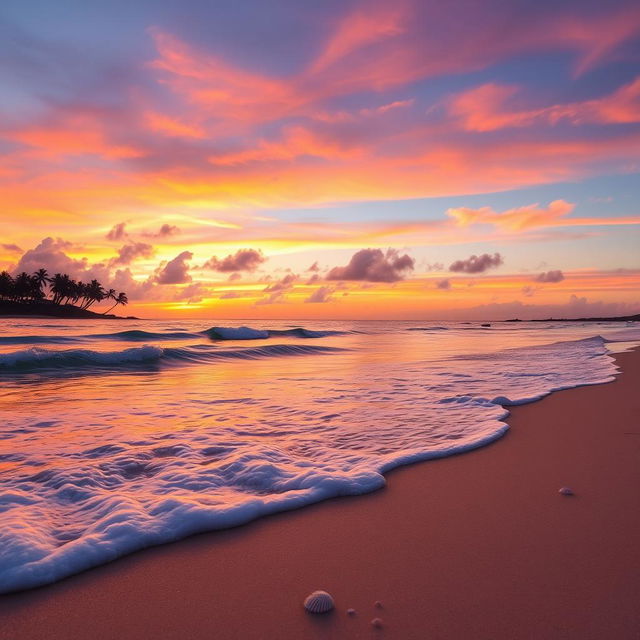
(487, 108)
(550, 276)
(533, 216)
(321, 295)
(242, 260)
(518, 219)
(117, 232)
(132, 251)
(374, 265)
(175, 271)
(477, 264)
(366, 26)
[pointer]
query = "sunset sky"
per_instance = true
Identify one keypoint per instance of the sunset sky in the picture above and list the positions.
(324, 159)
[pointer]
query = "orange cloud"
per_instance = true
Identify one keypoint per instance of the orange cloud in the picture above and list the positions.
(296, 142)
(485, 109)
(169, 126)
(73, 134)
(532, 217)
(519, 219)
(226, 91)
(362, 28)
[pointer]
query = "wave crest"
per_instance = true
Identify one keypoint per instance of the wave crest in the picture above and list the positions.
(36, 358)
(248, 333)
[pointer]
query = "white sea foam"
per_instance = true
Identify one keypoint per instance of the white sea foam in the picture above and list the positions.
(92, 472)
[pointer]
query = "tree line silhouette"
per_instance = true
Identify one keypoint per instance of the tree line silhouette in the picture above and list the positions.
(25, 288)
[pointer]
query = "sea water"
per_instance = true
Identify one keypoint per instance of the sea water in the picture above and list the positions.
(118, 435)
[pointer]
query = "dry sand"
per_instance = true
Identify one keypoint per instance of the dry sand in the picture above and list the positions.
(476, 546)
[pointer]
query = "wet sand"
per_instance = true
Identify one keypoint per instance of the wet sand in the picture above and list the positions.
(476, 546)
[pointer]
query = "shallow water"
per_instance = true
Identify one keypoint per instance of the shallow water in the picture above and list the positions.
(117, 435)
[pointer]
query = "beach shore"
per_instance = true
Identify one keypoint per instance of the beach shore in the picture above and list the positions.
(475, 546)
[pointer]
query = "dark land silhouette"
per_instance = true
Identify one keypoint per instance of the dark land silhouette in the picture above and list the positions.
(57, 296)
(633, 318)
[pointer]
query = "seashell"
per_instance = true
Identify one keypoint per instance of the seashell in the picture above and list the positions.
(566, 491)
(377, 623)
(318, 602)
(351, 612)
(377, 604)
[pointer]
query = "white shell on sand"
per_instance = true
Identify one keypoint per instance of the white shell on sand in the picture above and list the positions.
(377, 623)
(318, 602)
(566, 491)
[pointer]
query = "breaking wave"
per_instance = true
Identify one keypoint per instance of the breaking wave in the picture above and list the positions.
(37, 358)
(247, 333)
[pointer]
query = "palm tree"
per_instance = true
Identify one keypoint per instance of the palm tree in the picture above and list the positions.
(41, 278)
(110, 295)
(60, 287)
(6, 285)
(121, 299)
(93, 293)
(25, 288)
(22, 286)
(77, 291)
(35, 291)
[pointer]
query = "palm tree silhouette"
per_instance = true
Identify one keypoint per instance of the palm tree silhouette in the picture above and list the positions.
(41, 278)
(29, 289)
(93, 292)
(6, 285)
(110, 295)
(60, 287)
(22, 286)
(121, 299)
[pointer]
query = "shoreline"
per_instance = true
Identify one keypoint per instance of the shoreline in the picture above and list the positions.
(476, 545)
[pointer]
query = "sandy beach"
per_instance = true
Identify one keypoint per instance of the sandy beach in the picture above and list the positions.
(479, 545)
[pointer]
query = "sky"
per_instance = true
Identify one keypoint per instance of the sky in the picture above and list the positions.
(336, 160)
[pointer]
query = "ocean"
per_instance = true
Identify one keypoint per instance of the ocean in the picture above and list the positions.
(118, 435)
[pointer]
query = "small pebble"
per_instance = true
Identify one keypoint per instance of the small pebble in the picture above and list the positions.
(566, 491)
(377, 623)
(351, 612)
(377, 604)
